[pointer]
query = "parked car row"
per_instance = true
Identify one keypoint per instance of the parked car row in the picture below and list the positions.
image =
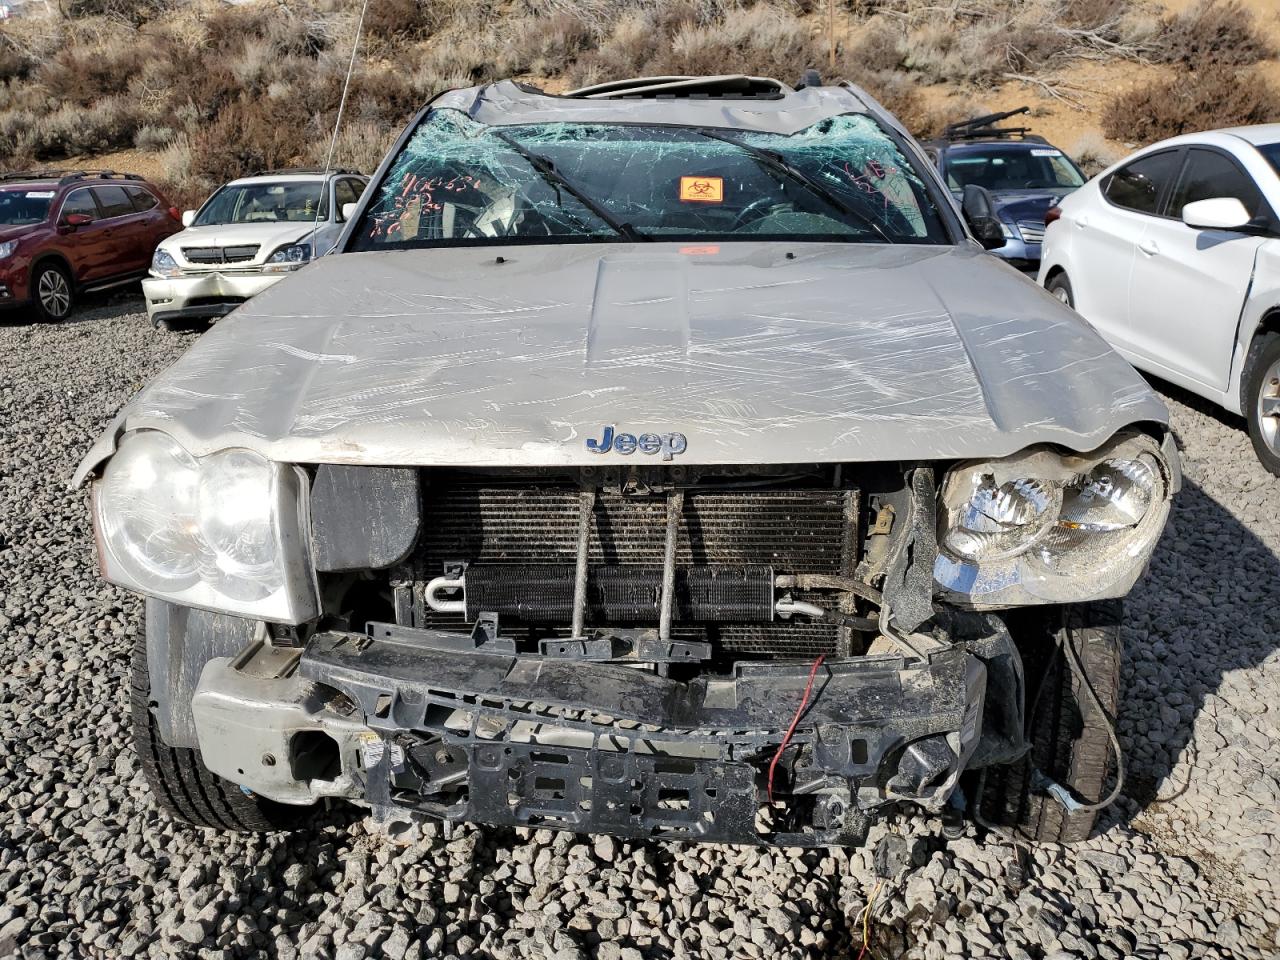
(66, 233)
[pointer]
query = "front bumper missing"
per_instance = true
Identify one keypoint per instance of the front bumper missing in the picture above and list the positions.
(422, 729)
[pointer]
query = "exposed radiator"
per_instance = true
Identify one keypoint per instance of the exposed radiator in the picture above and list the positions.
(487, 523)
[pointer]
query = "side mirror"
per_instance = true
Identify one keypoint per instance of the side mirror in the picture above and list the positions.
(979, 209)
(73, 221)
(1217, 213)
(348, 211)
(188, 217)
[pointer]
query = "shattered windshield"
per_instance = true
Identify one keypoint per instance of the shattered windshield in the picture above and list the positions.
(265, 202)
(457, 181)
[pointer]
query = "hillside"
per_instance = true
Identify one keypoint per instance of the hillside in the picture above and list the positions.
(192, 93)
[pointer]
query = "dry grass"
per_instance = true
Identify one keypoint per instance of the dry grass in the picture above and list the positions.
(221, 89)
(1192, 101)
(1213, 31)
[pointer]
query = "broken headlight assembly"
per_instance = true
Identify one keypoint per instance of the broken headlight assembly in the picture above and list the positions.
(223, 532)
(1048, 527)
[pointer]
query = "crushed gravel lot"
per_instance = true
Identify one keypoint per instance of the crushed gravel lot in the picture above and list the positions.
(1184, 866)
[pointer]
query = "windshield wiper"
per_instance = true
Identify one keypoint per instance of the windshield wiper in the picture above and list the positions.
(779, 164)
(553, 176)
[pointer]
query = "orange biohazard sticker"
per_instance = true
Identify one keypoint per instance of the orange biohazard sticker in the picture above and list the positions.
(702, 189)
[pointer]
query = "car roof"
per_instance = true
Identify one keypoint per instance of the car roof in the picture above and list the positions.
(293, 176)
(731, 101)
(1259, 135)
(52, 179)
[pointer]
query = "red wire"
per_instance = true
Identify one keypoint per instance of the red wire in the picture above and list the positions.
(786, 740)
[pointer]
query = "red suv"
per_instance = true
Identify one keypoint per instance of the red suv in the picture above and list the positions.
(67, 233)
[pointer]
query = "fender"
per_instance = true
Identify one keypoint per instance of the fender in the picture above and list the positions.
(1261, 299)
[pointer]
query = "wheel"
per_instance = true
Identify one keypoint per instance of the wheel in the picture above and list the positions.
(53, 292)
(1060, 286)
(1071, 742)
(1260, 399)
(181, 785)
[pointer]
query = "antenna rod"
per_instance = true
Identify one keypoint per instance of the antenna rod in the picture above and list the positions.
(337, 125)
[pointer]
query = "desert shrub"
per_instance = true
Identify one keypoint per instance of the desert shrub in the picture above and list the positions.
(1190, 102)
(361, 146)
(398, 20)
(877, 48)
(1212, 31)
(673, 39)
(127, 11)
(83, 74)
(759, 40)
(75, 130)
(249, 136)
(1092, 153)
(153, 138)
(15, 63)
(545, 45)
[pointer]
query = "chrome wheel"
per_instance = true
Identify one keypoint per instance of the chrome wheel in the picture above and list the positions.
(1269, 408)
(54, 293)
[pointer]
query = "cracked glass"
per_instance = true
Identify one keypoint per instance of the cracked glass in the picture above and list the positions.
(460, 182)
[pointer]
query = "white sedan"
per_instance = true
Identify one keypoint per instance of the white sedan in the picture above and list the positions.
(1173, 254)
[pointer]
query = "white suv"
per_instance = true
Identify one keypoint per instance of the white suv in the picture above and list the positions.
(1173, 255)
(247, 236)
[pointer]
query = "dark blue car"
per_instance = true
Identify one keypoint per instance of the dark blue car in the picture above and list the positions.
(1024, 174)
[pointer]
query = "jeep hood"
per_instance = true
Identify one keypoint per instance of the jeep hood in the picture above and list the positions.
(756, 352)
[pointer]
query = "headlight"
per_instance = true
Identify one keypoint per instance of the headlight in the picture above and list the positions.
(163, 264)
(289, 257)
(1041, 527)
(7, 248)
(223, 532)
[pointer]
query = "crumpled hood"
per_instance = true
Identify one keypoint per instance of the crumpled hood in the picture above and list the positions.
(270, 235)
(517, 355)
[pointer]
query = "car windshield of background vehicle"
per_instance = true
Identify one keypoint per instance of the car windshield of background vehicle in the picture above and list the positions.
(460, 182)
(1019, 168)
(274, 202)
(20, 206)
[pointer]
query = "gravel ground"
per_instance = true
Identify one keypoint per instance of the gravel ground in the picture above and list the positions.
(1182, 867)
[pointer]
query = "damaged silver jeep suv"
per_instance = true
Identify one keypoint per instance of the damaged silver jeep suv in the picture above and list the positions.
(664, 459)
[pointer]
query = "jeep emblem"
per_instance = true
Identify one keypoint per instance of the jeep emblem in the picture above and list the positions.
(668, 444)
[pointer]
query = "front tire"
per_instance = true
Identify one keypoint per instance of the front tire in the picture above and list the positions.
(1260, 399)
(52, 292)
(1060, 286)
(1070, 741)
(183, 788)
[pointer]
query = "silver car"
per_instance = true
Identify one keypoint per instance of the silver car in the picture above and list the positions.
(249, 235)
(665, 459)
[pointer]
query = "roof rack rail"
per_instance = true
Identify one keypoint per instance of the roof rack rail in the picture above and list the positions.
(729, 86)
(68, 176)
(339, 171)
(983, 128)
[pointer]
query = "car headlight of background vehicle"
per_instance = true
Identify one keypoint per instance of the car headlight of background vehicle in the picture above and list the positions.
(1044, 527)
(163, 264)
(223, 532)
(7, 248)
(289, 257)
